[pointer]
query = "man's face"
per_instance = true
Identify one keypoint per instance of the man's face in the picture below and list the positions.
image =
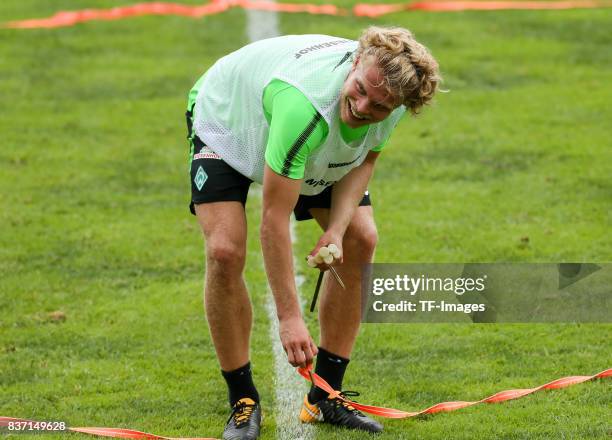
(364, 99)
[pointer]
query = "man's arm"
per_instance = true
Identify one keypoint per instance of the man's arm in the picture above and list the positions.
(346, 195)
(279, 197)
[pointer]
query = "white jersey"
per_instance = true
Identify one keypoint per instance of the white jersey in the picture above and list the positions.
(228, 112)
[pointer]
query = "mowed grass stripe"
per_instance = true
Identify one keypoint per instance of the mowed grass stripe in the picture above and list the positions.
(492, 172)
(94, 167)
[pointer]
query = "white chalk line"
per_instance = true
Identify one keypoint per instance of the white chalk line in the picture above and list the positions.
(262, 24)
(288, 385)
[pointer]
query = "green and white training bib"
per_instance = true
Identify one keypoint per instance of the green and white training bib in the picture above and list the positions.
(229, 115)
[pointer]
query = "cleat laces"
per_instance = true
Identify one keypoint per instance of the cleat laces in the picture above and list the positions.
(241, 413)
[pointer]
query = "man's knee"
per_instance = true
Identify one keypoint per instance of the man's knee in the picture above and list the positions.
(225, 255)
(361, 241)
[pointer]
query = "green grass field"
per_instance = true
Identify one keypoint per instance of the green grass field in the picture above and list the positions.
(513, 164)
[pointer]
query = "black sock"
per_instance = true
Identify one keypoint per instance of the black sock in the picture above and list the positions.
(330, 367)
(240, 384)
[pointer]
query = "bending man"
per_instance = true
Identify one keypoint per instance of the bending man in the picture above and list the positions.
(307, 116)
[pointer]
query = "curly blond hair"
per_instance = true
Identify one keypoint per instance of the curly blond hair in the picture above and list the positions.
(411, 73)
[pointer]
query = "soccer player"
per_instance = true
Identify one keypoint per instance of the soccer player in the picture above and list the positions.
(306, 116)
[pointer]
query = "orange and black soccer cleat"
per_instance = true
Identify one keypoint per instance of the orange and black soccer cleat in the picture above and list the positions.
(338, 412)
(244, 422)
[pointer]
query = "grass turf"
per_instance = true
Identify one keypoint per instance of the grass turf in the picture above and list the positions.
(513, 164)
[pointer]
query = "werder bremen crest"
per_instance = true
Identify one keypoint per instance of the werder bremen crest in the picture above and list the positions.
(200, 178)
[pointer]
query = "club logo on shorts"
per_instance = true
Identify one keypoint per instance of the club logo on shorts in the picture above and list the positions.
(200, 178)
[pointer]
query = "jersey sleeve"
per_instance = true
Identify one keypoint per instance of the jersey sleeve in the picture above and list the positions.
(379, 147)
(296, 129)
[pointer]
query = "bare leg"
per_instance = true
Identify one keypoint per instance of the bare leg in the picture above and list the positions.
(227, 304)
(340, 310)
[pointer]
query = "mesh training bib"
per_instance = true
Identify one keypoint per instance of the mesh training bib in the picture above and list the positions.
(228, 112)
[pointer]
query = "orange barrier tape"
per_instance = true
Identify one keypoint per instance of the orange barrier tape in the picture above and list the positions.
(391, 413)
(104, 432)
(502, 396)
(70, 18)
(376, 10)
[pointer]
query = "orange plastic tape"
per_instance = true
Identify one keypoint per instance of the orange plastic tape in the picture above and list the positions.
(376, 10)
(391, 413)
(104, 432)
(70, 18)
(502, 396)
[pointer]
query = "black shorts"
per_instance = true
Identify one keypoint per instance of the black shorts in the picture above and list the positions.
(213, 180)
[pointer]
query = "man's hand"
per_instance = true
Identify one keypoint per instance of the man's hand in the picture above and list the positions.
(327, 239)
(296, 341)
